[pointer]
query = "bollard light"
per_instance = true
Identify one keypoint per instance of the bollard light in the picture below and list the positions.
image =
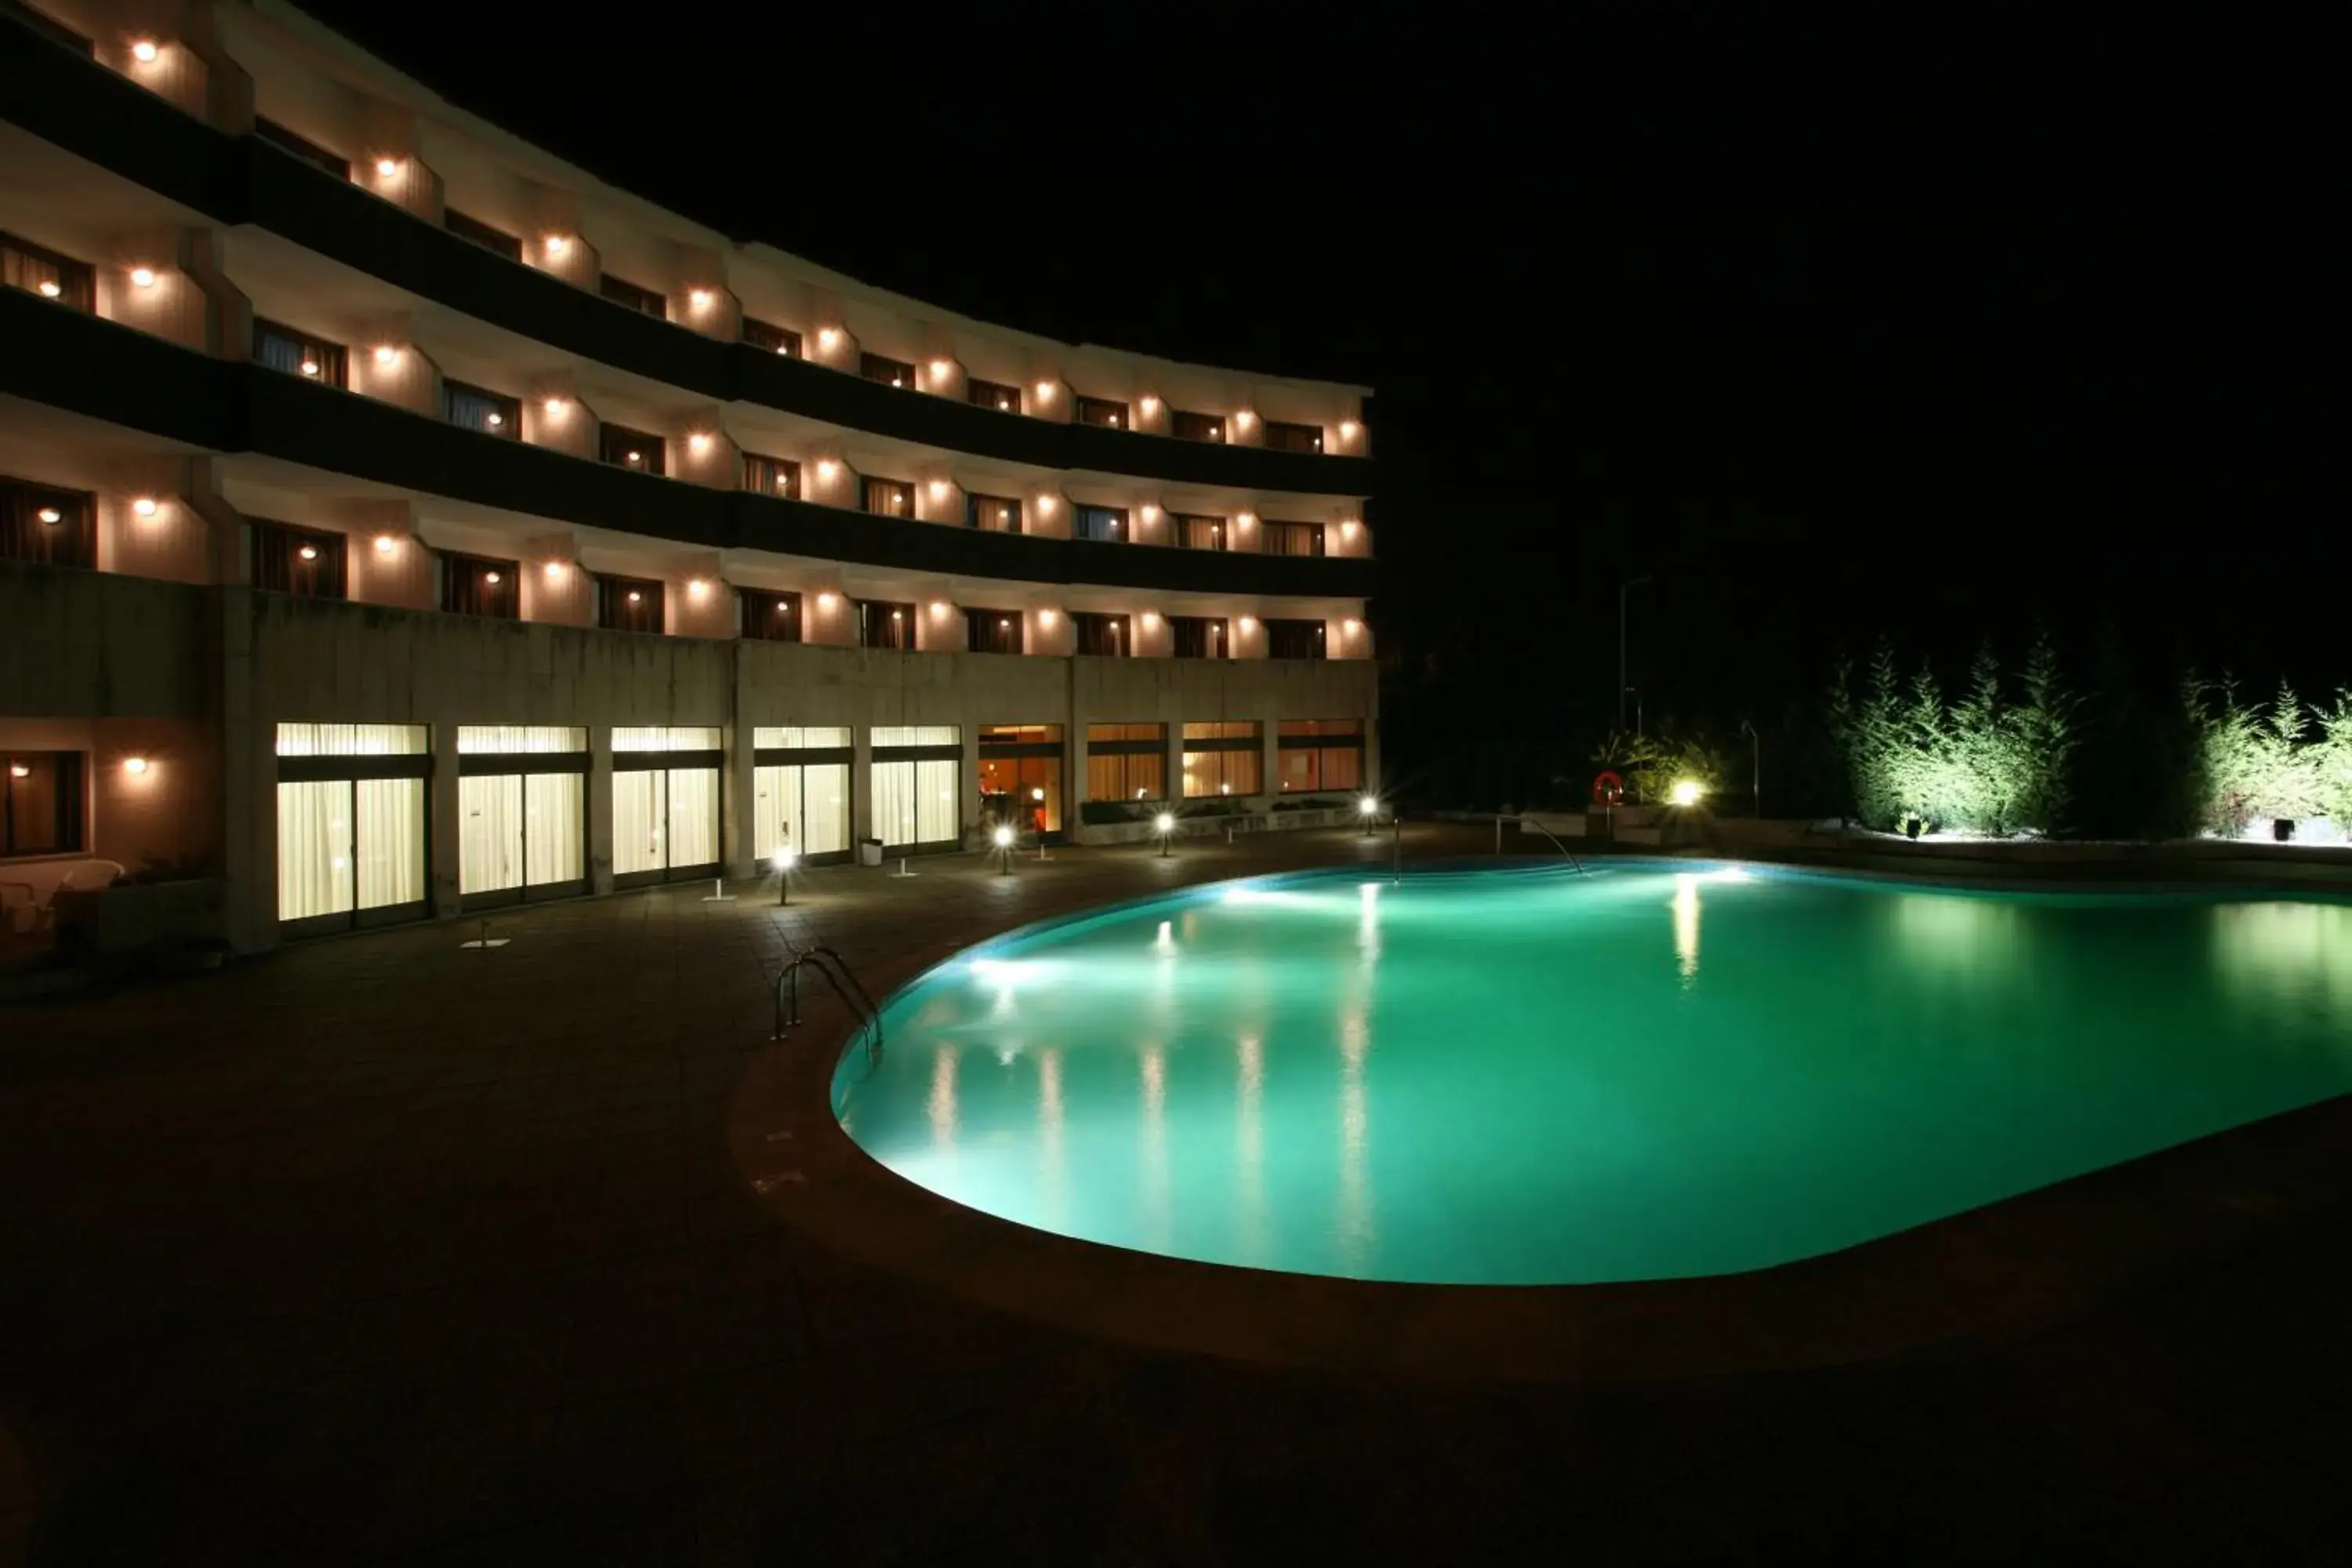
(782, 861)
(1002, 838)
(1164, 825)
(1369, 808)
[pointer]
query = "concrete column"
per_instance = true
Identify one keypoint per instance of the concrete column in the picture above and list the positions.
(1372, 755)
(444, 820)
(1269, 759)
(968, 776)
(738, 847)
(861, 784)
(1175, 766)
(248, 776)
(600, 808)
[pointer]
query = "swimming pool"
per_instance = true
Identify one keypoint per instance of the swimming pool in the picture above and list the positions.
(1658, 1070)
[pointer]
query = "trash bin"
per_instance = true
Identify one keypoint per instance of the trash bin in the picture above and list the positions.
(869, 851)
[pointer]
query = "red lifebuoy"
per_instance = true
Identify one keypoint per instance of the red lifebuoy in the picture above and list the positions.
(1608, 789)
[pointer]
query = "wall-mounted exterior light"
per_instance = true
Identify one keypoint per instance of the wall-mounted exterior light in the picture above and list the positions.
(698, 443)
(828, 337)
(309, 552)
(144, 51)
(386, 168)
(827, 600)
(49, 288)
(144, 506)
(385, 353)
(144, 277)
(51, 514)
(310, 367)
(827, 468)
(557, 245)
(555, 406)
(385, 544)
(939, 490)
(939, 369)
(553, 571)
(492, 578)
(134, 765)
(700, 299)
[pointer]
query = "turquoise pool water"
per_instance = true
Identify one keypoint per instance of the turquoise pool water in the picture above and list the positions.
(1524, 1077)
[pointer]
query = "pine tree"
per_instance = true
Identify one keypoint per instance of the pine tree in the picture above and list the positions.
(2046, 734)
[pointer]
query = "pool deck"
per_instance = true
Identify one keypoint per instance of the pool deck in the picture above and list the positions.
(382, 1251)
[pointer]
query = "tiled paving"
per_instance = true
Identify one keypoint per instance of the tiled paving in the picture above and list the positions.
(380, 1250)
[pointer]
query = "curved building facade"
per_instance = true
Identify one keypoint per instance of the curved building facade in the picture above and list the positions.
(395, 520)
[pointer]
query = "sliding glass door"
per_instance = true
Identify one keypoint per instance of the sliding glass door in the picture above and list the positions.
(522, 826)
(915, 777)
(664, 804)
(350, 825)
(800, 785)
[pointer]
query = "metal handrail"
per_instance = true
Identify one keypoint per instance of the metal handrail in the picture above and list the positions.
(1547, 833)
(850, 991)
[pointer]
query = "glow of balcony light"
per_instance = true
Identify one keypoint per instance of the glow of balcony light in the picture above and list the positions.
(491, 578)
(134, 765)
(51, 514)
(939, 369)
(1044, 506)
(385, 353)
(826, 601)
(20, 770)
(386, 168)
(553, 571)
(938, 607)
(827, 338)
(1347, 428)
(635, 458)
(385, 544)
(635, 597)
(309, 552)
(1004, 403)
(939, 490)
(1245, 418)
(1113, 421)
(895, 382)
(494, 420)
(143, 51)
(144, 506)
(1003, 623)
(827, 468)
(1150, 617)
(1045, 391)
(558, 244)
(1348, 527)
(1249, 623)
(144, 277)
(310, 367)
(698, 443)
(1150, 513)
(1044, 617)
(897, 615)
(1246, 520)
(698, 587)
(49, 289)
(555, 406)
(1151, 406)
(700, 298)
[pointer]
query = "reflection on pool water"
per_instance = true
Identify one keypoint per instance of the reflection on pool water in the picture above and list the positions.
(1536, 1076)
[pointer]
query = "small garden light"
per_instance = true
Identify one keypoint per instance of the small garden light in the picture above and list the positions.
(1686, 793)
(783, 861)
(1164, 825)
(1004, 838)
(1369, 808)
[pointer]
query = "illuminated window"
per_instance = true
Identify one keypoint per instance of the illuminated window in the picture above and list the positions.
(1200, 636)
(1126, 762)
(770, 614)
(640, 451)
(1103, 411)
(992, 514)
(1101, 635)
(297, 352)
(1021, 776)
(631, 603)
(635, 296)
(881, 623)
(771, 476)
(1319, 754)
(304, 561)
(1294, 437)
(1293, 537)
(993, 631)
(1223, 758)
(1201, 532)
(26, 265)
(1105, 523)
(478, 408)
(480, 585)
(1190, 427)
(53, 526)
(889, 371)
(992, 394)
(1293, 639)
(890, 498)
(772, 339)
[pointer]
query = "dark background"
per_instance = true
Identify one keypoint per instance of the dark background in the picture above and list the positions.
(1838, 326)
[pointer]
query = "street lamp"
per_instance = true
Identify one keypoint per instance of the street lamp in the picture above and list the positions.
(1369, 808)
(1164, 825)
(783, 861)
(1623, 589)
(1003, 837)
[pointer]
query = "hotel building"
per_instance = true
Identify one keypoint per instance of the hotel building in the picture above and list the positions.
(395, 520)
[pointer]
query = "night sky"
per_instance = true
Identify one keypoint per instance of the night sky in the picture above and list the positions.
(1835, 327)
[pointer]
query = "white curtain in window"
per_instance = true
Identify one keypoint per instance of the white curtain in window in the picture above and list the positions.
(314, 849)
(389, 841)
(553, 828)
(637, 809)
(489, 833)
(520, 738)
(917, 734)
(894, 803)
(824, 808)
(351, 739)
(694, 816)
(794, 737)
(936, 816)
(776, 819)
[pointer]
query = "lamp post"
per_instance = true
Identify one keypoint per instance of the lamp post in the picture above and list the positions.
(1164, 825)
(1755, 768)
(1623, 588)
(1369, 808)
(784, 864)
(1004, 849)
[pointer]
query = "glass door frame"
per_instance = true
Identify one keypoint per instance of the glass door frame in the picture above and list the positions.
(352, 771)
(634, 761)
(816, 757)
(513, 764)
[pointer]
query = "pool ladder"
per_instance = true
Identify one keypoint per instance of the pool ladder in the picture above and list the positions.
(1540, 828)
(851, 993)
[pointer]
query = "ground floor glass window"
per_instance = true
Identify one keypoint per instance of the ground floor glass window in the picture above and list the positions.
(914, 772)
(664, 802)
(800, 790)
(521, 810)
(350, 821)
